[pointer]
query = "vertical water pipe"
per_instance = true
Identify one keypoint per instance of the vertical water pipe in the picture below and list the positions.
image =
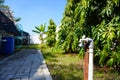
(90, 68)
(90, 46)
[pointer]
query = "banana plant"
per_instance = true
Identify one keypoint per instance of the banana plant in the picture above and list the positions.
(40, 30)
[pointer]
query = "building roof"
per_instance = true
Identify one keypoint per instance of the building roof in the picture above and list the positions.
(25, 33)
(7, 23)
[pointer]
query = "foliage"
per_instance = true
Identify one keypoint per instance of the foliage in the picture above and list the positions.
(106, 33)
(1, 2)
(51, 36)
(17, 19)
(69, 32)
(97, 19)
(40, 30)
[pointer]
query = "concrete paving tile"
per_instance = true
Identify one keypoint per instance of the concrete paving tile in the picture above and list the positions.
(27, 70)
(8, 77)
(35, 69)
(8, 70)
(2, 76)
(37, 79)
(24, 78)
(1, 71)
(25, 65)
(7, 73)
(16, 69)
(21, 70)
(36, 65)
(36, 76)
(22, 75)
(15, 78)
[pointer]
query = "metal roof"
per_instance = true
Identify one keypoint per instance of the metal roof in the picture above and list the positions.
(8, 13)
(25, 33)
(7, 23)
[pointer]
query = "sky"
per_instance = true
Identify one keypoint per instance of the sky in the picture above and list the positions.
(36, 12)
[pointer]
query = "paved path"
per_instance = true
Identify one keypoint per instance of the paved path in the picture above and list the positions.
(25, 65)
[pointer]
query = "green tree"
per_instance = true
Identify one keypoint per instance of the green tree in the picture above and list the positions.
(101, 21)
(1, 2)
(98, 19)
(16, 19)
(107, 33)
(68, 37)
(40, 30)
(51, 36)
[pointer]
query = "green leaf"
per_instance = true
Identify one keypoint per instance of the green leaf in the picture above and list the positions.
(110, 62)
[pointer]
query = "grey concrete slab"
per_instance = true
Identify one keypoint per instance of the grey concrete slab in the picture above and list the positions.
(2, 76)
(9, 76)
(27, 64)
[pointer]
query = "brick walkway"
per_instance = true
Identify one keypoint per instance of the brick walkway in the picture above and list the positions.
(25, 65)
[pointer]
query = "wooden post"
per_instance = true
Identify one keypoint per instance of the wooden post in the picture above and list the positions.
(86, 61)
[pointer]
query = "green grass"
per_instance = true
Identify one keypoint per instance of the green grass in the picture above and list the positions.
(63, 66)
(102, 73)
(70, 66)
